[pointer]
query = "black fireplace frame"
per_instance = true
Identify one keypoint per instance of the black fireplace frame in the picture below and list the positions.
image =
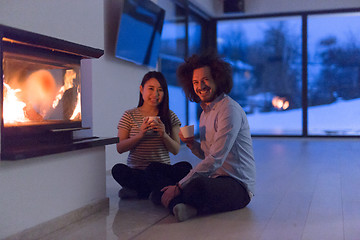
(30, 141)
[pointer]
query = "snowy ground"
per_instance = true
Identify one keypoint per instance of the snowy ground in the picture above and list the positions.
(339, 118)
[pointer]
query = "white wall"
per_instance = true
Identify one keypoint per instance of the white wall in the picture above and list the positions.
(211, 7)
(40, 189)
(215, 7)
(277, 6)
(78, 21)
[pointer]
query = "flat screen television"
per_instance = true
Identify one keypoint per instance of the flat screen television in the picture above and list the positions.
(139, 33)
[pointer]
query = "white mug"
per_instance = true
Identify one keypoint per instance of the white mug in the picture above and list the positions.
(187, 131)
(154, 118)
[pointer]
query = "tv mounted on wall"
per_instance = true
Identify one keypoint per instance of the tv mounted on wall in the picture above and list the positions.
(139, 33)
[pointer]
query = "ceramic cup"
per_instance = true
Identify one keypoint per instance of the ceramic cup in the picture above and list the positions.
(187, 131)
(153, 118)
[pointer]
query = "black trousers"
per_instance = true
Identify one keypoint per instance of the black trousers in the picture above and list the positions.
(152, 179)
(160, 175)
(131, 178)
(213, 195)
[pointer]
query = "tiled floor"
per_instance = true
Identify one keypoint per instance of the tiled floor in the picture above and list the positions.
(306, 189)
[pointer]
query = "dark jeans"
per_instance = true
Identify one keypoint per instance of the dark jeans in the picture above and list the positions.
(131, 178)
(212, 195)
(152, 179)
(160, 175)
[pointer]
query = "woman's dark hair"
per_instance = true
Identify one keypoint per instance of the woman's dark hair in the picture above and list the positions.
(164, 111)
(221, 72)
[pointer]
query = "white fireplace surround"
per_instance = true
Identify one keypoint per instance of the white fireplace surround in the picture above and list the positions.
(64, 186)
(42, 194)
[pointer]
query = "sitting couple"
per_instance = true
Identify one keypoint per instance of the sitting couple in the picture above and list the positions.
(224, 179)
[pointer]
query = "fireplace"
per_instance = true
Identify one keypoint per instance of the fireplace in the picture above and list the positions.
(41, 92)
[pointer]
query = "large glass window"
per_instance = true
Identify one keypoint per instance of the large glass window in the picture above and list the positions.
(334, 74)
(266, 58)
(172, 54)
(196, 44)
(183, 35)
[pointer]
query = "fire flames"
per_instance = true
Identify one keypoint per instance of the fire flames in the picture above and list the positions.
(77, 110)
(37, 98)
(13, 108)
(280, 103)
(69, 77)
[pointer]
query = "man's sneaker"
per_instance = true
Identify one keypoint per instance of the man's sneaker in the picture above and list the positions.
(184, 212)
(126, 193)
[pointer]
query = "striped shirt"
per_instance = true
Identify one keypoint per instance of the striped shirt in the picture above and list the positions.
(151, 148)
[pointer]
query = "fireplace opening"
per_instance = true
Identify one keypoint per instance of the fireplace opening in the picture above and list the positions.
(38, 91)
(41, 90)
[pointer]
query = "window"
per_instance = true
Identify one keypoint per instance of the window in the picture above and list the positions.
(266, 58)
(334, 74)
(196, 44)
(172, 54)
(285, 92)
(183, 34)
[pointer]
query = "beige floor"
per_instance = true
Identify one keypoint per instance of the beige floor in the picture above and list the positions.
(306, 189)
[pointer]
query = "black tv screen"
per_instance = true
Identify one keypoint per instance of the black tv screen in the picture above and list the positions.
(139, 32)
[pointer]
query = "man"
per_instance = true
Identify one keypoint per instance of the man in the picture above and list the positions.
(225, 178)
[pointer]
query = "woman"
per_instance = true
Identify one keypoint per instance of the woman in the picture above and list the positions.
(149, 141)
